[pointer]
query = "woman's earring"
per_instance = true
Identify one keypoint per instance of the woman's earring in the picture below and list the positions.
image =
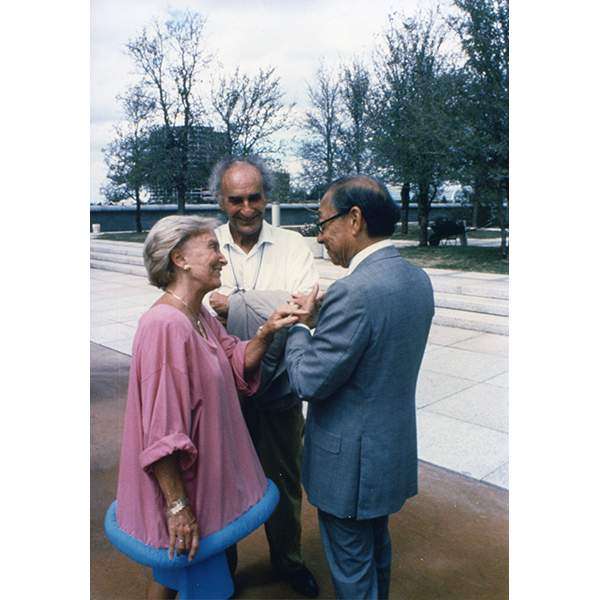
(187, 268)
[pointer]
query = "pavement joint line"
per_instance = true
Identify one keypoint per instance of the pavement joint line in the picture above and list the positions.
(103, 344)
(493, 471)
(476, 351)
(450, 345)
(493, 377)
(473, 384)
(461, 474)
(464, 377)
(441, 414)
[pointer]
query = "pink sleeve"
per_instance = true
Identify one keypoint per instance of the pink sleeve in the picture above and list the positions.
(235, 350)
(166, 417)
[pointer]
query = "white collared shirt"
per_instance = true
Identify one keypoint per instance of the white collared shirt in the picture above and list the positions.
(280, 260)
(360, 256)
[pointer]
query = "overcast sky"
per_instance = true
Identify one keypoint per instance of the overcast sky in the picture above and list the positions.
(292, 35)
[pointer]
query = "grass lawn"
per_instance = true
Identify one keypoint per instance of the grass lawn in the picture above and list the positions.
(413, 234)
(462, 258)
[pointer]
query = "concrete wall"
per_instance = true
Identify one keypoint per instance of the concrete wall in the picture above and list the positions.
(122, 218)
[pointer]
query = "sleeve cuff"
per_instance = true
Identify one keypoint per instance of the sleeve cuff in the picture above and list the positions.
(166, 446)
(300, 325)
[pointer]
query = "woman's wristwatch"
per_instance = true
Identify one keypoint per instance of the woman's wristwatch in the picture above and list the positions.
(177, 506)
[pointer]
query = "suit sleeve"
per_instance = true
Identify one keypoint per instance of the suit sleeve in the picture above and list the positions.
(320, 364)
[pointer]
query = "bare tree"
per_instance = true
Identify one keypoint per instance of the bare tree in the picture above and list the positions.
(127, 155)
(250, 110)
(322, 149)
(356, 96)
(171, 58)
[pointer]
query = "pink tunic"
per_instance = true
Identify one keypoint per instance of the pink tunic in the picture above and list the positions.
(183, 397)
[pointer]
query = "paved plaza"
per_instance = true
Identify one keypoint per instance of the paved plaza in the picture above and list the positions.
(450, 542)
(462, 394)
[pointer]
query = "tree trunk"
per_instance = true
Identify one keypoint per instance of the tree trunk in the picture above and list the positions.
(423, 201)
(405, 197)
(138, 211)
(502, 223)
(475, 214)
(183, 175)
(180, 200)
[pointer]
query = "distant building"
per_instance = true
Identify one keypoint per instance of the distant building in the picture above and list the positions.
(205, 147)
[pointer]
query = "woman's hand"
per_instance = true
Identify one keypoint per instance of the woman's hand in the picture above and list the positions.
(184, 535)
(220, 304)
(285, 315)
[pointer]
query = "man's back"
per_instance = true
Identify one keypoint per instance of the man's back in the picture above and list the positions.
(360, 443)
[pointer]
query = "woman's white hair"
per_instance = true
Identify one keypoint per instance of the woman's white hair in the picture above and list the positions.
(165, 236)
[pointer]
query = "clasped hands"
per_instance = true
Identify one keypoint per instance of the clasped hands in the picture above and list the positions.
(309, 303)
(302, 308)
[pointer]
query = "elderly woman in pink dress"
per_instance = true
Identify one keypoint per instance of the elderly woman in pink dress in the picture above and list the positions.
(188, 466)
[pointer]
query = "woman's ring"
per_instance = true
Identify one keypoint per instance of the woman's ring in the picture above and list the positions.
(180, 540)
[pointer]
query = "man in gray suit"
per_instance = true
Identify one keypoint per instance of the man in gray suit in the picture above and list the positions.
(358, 371)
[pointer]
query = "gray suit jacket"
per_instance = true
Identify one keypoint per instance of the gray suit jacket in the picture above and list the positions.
(359, 374)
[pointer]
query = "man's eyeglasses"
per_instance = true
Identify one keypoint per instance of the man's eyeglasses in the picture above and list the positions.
(320, 224)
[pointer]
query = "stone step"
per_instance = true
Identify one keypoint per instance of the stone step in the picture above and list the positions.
(129, 269)
(468, 303)
(124, 259)
(471, 320)
(112, 247)
(482, 291)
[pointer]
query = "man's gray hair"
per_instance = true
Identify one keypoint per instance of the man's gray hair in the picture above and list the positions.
(165, 236)
(216, 176)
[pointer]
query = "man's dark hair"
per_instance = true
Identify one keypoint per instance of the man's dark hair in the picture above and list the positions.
(216, 176)
(369, 194)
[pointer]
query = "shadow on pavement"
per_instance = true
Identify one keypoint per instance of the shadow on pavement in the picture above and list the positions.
(449, 543)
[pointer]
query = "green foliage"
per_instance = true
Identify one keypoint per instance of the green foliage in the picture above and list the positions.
(415, 122)
(483, 30)
(128, 156)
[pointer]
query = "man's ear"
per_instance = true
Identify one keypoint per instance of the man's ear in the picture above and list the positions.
(357, 221)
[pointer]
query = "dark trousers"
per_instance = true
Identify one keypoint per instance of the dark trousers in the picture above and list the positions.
(277, 437)
(359, 554)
